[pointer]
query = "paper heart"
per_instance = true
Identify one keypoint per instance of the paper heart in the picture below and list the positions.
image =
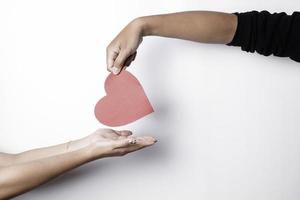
(125, 101)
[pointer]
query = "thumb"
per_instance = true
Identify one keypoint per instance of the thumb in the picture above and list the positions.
(124, 142)
(119, 62)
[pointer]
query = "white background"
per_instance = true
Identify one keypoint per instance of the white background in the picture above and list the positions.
(227, 121)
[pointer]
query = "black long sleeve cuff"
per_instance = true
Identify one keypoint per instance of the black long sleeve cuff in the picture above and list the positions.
(265, 33)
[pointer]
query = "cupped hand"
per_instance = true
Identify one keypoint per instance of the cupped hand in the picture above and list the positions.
(108, 142)
(123, 49)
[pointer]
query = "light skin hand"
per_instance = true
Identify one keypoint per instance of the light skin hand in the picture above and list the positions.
(108, 142)
(22, 172)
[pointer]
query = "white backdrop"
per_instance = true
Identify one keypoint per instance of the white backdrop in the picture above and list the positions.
(227, 121)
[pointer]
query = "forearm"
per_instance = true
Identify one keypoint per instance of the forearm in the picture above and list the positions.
(6, 159)
(199, 26)
(44, 152)
(17, 179)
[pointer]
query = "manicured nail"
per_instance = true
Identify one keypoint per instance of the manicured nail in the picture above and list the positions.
(115, 70)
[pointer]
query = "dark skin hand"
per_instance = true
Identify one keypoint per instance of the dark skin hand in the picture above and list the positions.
(199, 26)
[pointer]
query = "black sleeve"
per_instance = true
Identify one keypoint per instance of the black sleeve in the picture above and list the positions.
(265, 33)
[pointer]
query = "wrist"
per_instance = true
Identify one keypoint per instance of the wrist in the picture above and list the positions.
(74, 145)
(90, 153)
(143, 25)
(94, 151)
(86, 147)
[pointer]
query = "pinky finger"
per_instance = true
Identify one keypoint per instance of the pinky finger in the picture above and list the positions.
(129, 60)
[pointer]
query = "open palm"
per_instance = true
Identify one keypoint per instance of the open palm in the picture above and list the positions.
(108, 142)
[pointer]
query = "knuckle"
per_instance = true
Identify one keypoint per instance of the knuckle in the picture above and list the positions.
(130, 51)
(126, 51)
(117, 63)
(120, 62)
(108, 48)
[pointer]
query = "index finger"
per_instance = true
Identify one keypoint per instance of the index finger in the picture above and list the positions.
(111, 56)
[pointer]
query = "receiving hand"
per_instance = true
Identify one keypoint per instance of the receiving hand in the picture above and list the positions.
(108, 142)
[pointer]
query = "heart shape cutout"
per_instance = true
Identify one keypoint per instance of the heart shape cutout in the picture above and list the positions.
(125, 101)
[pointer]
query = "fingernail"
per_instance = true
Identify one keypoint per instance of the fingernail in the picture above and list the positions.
(115, 70)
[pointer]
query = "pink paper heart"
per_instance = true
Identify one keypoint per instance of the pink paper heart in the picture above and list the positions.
(125, 101)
